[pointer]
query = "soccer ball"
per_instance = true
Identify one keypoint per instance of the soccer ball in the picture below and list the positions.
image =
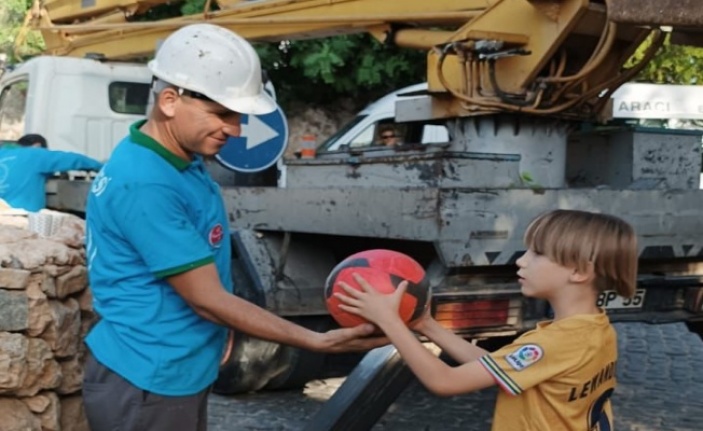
(384, 270)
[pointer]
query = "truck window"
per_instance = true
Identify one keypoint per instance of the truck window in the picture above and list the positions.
(13, 102)
(333, 142)
(365, 138)
(434, 134)
(129, 97)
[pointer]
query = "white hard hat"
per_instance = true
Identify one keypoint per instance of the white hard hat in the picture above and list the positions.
(216, 63)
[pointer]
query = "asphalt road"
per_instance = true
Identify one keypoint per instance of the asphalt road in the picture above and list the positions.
(660, 388)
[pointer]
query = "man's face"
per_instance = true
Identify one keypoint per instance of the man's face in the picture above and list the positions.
(203, 126)
(389, 137)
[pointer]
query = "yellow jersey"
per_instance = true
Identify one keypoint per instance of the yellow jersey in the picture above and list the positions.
(559, 376)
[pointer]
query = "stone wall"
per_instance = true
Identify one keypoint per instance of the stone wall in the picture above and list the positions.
(322, 122)
(45, 310)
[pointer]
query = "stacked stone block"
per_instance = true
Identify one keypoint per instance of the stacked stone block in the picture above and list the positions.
(45, 311)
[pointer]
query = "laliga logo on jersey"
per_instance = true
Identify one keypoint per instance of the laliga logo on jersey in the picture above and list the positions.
(524, 356)
(215, 235)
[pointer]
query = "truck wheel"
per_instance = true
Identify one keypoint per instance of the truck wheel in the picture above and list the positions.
(249, 365)
(299, 366)
(252, 364)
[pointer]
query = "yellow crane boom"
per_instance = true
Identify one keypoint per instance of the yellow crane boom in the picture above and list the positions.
(542, 57)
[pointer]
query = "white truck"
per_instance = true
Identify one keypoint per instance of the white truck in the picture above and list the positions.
(79, 105)
(653, 105)
(86, 106)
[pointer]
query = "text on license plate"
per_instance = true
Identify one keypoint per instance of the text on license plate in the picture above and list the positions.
(611, 300)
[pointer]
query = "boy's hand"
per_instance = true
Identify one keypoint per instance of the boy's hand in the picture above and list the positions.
(370, 304)
(421, 323)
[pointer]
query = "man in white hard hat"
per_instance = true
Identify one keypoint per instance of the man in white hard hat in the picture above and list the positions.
(158, 246)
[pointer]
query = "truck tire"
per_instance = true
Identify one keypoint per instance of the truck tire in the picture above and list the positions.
(299, 366)
(252, 364)
(248, 363)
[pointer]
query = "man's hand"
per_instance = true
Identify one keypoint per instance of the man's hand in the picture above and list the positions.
(354, 339)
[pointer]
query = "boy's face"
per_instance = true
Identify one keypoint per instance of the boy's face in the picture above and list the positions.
(540, 277)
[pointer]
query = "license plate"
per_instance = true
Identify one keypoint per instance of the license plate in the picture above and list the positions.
(610, 300)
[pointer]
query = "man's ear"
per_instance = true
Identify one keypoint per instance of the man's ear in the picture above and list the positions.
(166, 101)
(586, 275)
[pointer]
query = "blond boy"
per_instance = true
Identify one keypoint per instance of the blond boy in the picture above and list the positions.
(559, 376)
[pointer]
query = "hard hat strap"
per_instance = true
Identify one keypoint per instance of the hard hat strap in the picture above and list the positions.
(193, 94)
(158, 85)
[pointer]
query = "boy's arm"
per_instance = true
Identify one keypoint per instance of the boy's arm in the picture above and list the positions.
(62, 161)
(459, 349)
(438, 377)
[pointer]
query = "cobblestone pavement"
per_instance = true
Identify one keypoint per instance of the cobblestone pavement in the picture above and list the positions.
(660, 388)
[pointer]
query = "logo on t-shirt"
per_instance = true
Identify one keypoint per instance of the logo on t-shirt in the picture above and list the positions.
(100, 183)
(524, 356)
(215, 235)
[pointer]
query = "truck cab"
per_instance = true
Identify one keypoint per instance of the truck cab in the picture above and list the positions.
(364, 129)
(79, 105)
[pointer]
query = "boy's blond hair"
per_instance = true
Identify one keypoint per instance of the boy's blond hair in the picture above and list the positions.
(579, 238)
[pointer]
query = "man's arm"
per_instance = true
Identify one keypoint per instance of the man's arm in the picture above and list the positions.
(61, 161)
(202, 290)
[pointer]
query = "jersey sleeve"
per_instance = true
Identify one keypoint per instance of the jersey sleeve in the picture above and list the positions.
(155, 220)
(531, 359)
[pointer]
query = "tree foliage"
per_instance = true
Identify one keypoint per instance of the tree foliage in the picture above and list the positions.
(673, 64)
(12, 13)
(323, 70)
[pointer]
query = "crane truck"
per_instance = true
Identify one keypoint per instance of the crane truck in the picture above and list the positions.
(520, 86)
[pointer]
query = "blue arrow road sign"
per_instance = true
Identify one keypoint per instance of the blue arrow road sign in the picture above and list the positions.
(262, 143)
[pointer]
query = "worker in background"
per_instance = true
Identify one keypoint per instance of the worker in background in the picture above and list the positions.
(26, 165)
(158, 245)
(32, 140)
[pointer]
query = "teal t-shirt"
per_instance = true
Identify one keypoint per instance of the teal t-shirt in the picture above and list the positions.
(24, 171)
(151, 215)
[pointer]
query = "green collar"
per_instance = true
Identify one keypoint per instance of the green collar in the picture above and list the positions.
(138, 137)
(9, 145)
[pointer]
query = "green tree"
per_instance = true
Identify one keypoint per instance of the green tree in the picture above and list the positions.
(356, 66)
(673, 64)
(12, 14)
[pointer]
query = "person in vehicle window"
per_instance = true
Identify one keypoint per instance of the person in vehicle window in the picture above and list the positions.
(26, 165)
(389, 136)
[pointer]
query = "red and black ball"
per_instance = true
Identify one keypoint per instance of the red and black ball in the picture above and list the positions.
(384, 270)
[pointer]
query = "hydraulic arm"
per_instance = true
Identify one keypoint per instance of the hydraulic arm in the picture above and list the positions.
(541, 57)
